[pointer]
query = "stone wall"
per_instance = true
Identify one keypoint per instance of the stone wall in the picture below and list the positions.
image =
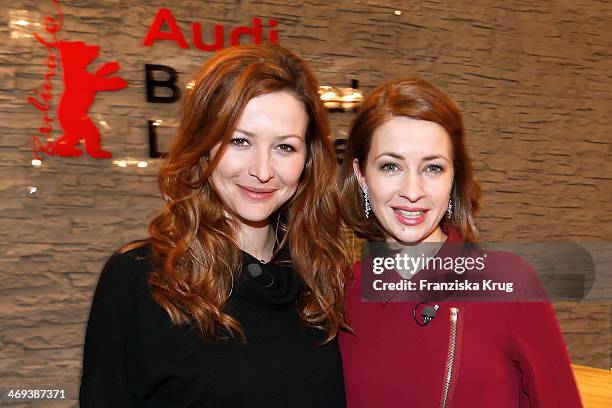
(533, 79)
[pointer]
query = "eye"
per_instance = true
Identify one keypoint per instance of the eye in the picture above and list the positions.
(389, 167)
(239, 141)
(286, 148)
(433, 168)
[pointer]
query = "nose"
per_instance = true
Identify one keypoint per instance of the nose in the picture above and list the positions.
(412, 188)
(261, 167)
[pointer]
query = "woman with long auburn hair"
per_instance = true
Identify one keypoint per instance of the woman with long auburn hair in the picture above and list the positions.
(408, 187)
(236, 298)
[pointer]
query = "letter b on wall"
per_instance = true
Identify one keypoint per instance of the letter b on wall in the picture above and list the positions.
(169, 84)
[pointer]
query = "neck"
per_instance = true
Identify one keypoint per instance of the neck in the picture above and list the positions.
(437, 236)
(257, 241)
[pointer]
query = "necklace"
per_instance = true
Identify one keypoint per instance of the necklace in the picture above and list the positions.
(275, 243)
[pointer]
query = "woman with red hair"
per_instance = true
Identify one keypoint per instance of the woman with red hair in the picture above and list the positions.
(236, 298)
(407, 181)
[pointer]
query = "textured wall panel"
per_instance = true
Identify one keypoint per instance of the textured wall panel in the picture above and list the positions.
(533, 79)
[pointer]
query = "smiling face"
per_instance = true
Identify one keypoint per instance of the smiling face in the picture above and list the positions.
(261, 167)
(409, 177)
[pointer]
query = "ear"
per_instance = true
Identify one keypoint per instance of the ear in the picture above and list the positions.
(358, 175)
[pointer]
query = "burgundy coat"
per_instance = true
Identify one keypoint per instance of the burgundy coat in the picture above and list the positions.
(503, 354)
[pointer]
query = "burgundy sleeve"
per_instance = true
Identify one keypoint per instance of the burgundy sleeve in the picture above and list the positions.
(540, 353)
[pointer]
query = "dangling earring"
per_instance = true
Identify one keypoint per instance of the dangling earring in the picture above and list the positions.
(449, 211)
(366, 197)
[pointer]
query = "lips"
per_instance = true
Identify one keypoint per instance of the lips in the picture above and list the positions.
(410, 215)
(255, 193)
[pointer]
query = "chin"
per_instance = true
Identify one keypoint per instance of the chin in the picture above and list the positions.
(254, 215)
(409, 238)
(410, 235)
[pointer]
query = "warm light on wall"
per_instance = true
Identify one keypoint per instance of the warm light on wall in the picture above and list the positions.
(20, 24)
(340, 98)
(131, 162)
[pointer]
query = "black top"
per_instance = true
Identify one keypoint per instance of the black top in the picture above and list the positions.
(134, 356)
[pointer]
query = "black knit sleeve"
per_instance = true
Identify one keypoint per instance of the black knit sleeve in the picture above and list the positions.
(104, 380)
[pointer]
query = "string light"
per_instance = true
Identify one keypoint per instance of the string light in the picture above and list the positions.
(131, 162)
(340, 98)
(20, 24)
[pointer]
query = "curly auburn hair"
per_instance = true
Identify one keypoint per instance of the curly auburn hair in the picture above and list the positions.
(194, 242)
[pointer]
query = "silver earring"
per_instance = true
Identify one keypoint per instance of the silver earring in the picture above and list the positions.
(366, 197)
(449, 211)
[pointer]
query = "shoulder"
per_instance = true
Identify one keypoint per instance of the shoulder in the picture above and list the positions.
(499, 261)
(353, 278)
(135, 253)
(122, 301)
(354, 274)
(509, 267)
(128, 268)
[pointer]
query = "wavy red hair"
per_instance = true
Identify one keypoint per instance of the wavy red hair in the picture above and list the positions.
(194, 242)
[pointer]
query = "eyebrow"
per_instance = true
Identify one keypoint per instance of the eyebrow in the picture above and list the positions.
(251, 134)
(435, 156)
(394, 155)
(400, 157)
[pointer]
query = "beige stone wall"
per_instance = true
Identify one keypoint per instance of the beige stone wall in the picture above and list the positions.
(533, 79)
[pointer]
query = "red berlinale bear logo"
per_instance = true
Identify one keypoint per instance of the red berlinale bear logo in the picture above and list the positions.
(80, 88)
